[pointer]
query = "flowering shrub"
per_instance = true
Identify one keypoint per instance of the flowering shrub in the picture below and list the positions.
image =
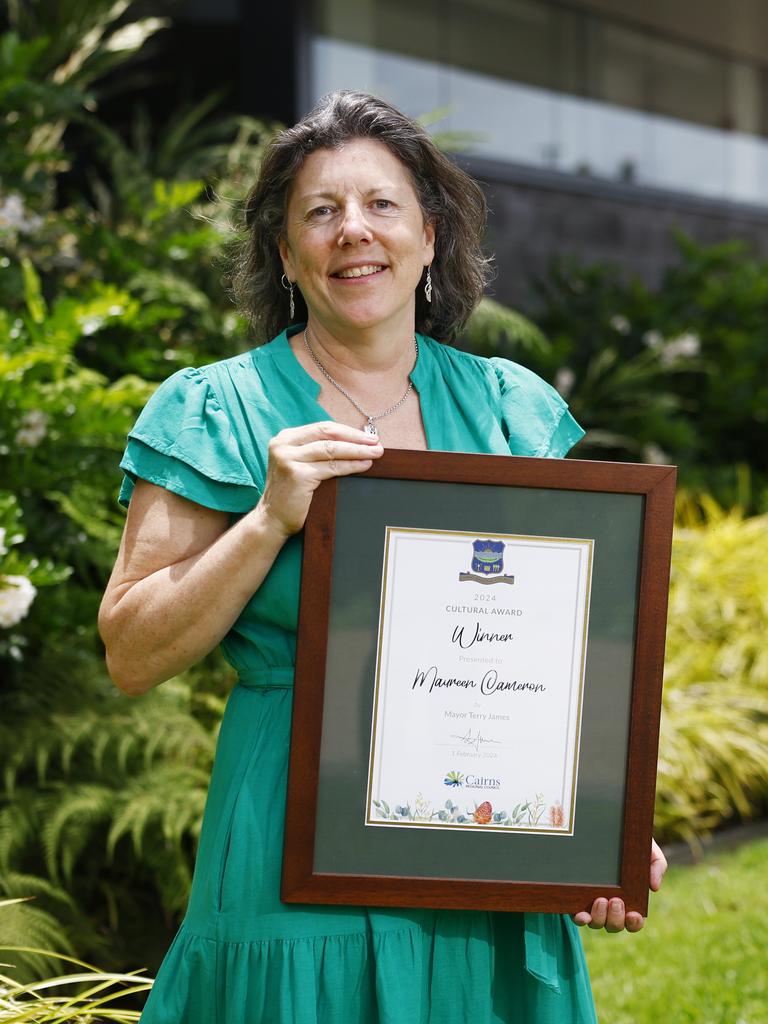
(20, 576)
(16, 595)
(103, 292)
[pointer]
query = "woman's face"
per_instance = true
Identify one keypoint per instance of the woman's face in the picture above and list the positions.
(356, 243)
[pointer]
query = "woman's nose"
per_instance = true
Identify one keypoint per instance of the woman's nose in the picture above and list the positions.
(354, 225)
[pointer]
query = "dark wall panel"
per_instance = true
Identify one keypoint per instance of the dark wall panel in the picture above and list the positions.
(537, 216)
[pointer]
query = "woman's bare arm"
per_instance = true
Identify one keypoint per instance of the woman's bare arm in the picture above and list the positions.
(180, 580)
(182, 577)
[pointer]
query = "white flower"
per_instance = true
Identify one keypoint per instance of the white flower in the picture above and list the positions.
(653, 339)
(565, 378)
(32, 429)
(685, 346)
(3, 548)
(13, 216)
(91, 323)
(16, 596)
(131, 37)
(655, 455)
(620, 323)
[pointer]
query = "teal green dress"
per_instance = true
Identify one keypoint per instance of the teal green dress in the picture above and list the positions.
(241, 956)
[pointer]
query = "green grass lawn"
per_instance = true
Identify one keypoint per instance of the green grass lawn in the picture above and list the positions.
(703, 954)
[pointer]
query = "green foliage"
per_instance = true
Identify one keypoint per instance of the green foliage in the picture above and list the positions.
(24, 923)
(103, 798)
(61, 427)
(700, 957)
(494, 329)
(49, 61)
(103, 291)
(675, 373)
(87, 996)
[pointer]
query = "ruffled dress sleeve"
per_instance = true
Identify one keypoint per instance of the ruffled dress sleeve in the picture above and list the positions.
(183, 440)
(534, 417)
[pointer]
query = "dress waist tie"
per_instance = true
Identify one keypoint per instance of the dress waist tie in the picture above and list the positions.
(279, 678)
(543, 942)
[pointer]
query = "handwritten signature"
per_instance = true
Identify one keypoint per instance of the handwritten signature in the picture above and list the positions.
(473, 741)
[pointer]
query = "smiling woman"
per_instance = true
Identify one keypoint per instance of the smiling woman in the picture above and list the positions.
(359, 257)
(363, 249)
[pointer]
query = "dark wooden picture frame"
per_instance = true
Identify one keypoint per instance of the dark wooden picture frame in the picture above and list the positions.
(568, 481)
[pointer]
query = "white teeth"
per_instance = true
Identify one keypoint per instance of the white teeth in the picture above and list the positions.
(360, 271)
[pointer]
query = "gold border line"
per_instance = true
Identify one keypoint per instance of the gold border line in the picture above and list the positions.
(580, 707)
(372, 751)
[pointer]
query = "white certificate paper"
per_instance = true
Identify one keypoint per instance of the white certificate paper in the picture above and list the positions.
(479, 681)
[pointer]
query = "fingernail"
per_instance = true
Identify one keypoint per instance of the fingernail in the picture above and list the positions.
(616, 904)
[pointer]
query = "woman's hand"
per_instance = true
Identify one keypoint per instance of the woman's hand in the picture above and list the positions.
(611, 914)
(300, 458)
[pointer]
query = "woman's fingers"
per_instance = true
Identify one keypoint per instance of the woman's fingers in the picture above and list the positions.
(608, 914)
(615, 916)
(320, 446)
(658, 866)
(301, 457)
(599, 913)
(333, 451)
(611, 915)
(324, 430)
(326, 470)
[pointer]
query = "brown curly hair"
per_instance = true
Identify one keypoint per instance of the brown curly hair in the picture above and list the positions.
(449, 199)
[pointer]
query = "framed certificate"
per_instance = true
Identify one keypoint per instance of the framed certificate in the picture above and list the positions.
(478, 684)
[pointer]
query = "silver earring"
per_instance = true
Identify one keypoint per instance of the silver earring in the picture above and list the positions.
(288, 285)
(428, 284)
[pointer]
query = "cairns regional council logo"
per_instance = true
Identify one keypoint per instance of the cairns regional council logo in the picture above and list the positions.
(454, 779)
(487, 563)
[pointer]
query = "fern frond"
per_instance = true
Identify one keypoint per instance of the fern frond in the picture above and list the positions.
(494, 329)
(23, 924)
(18, 830)
(172, 799)
(66, 833)
(21, 885)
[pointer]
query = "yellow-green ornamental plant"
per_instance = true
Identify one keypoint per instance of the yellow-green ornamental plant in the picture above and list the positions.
(713, 760)
(86, 995)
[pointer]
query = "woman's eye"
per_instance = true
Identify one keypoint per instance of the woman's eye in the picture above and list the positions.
(382, 204)
(319, 211)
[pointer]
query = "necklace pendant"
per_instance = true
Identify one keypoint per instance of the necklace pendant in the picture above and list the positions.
(370, 429)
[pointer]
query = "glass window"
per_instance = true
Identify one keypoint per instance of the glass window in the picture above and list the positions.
(688, 84)
(746, 109)
(503, 38)
(620, 68)
(540, 84)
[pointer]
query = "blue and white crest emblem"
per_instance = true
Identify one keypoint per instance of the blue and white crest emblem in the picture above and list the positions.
(487, 563)
(488, 556)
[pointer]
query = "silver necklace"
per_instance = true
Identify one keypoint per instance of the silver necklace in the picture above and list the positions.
(370, 426)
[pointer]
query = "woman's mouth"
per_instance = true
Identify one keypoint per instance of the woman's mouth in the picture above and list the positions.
(354, 273)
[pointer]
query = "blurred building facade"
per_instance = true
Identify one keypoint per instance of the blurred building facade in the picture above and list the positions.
(597, 126)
